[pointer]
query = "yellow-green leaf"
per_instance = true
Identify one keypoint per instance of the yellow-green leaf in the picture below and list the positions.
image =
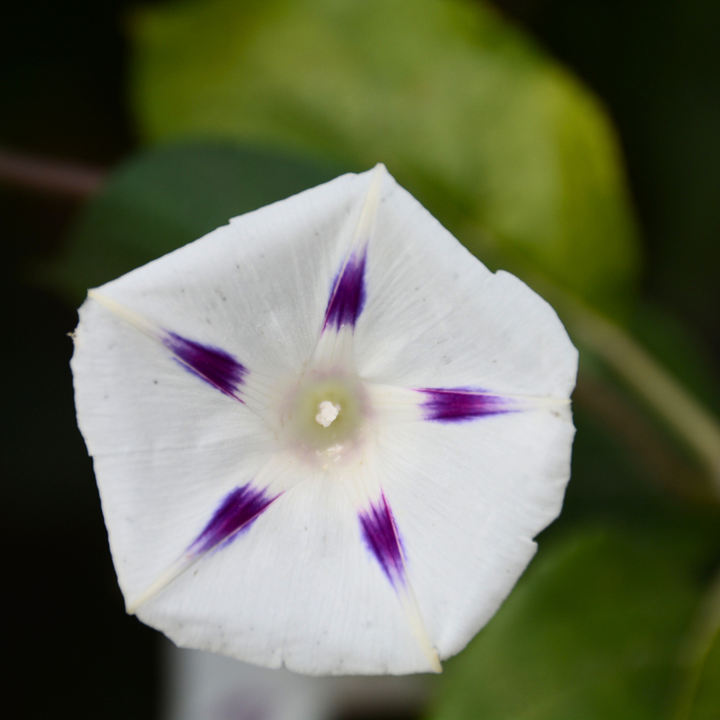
(463, 108)
(591, 632)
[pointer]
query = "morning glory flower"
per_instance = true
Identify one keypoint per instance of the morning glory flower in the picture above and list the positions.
(324, 435)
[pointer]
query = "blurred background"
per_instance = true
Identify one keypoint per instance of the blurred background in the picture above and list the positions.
(576, 144)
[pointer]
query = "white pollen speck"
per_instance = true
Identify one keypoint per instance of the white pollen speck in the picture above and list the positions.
(328, 412)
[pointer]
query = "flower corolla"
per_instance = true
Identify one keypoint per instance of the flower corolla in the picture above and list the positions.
(324, 435)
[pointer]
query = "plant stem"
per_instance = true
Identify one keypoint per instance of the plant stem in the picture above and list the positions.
(651, 381)
(49, 176)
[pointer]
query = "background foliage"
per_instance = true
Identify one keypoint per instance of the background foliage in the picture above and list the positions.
(204, 110)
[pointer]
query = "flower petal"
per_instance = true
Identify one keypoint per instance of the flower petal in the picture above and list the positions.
(348, 294)
(233, 515)
(461, 405)
(468, 498)
(237, 511)
(165, 444)
(434, 316)
(348, 291)
(261, 283)
(300, 588)
(217, 367)
(383, 540)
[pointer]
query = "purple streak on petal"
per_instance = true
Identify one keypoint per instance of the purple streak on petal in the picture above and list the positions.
(213, 365)
(381, 536)
(461, 404)
(348, 292)
(236, 512)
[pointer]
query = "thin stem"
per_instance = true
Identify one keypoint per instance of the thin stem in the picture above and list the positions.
(698, 644)
(608, 404)
(652, 382)
(49, 176)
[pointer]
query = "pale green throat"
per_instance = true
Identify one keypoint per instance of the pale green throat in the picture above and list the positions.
(327, 413)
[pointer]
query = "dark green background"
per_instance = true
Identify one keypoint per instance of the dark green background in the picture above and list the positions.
(76, 654)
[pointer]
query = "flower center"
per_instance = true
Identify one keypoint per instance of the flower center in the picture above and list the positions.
(324, 416)
(328, 412)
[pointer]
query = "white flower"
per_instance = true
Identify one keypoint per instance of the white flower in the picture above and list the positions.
(325, 434)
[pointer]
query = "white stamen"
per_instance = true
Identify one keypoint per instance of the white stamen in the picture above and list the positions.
(328, 412)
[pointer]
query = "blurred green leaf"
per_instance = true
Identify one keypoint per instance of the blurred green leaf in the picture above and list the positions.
(168, 196)
(463, 108)
(706, 703)
(698, 696)
(591, 632)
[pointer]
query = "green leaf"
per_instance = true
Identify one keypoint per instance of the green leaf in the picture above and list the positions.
(168, 196)
(463, 108)
(706, 704)
(590, 632)
(698, 697)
